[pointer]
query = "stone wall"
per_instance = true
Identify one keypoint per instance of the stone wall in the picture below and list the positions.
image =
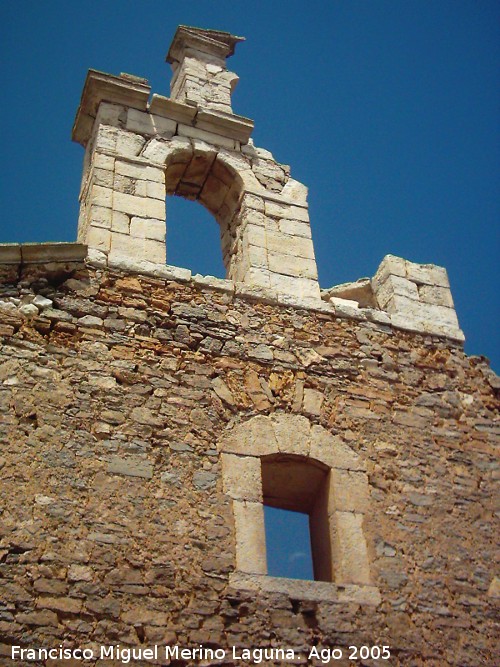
(117, 525)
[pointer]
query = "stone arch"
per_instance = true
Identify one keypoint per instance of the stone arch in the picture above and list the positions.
(341, 486)
(291, 434)
(213, 177)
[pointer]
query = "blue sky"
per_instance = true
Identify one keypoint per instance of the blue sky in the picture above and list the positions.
(386, 109)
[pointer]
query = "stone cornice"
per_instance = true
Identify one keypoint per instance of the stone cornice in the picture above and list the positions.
(41, 253)
(214, 42)
(100, 87)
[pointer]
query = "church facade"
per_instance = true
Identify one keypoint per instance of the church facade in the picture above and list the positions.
(148, 415)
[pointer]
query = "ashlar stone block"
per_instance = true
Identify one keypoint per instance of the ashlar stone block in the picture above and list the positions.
(213, 193)
(418, 311)
(128, 144)
(256, 437)
(295, 192)
(150, 189)
(143, 171)
(295, 246)
(252, 276)
(146, 123)
(295, 228)
(292, 433)
(295, 287)
(103, 161)
(106, 138)
(292, 266)
(158, 151)
(100, 216)
(395, 285)
(120, 222)
(332, 451)
(283, 211)
(102, 177)
(140, 206)
(253, 217)
(390, 266)
(242, 477)
(441, 315)
(349, 491)
(427, 274)
(197, 170)
(256, 256)
(353, 565)
(148, 228)
(173, 176)
(252, 202)
(209, 137)
(102, 197)
(255, 235)
(439, 296)
(124, 246)
(110, 114)
(250, 536)
(98, 238)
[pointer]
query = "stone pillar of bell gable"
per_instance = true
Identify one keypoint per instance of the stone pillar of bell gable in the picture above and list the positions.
(274, 246)
(122, 196)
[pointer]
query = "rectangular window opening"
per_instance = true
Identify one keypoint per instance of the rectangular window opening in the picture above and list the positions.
(288, 544)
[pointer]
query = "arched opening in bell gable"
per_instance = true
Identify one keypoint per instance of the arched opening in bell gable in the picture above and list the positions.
(196, 173)
(193, 238)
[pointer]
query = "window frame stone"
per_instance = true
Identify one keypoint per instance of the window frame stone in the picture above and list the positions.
(242, 449)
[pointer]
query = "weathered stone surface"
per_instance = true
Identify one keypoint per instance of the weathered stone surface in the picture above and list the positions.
(132, 397)
(417, 296)
(352, 547)
(494, 589)
(242, 477)
(132, 467)
(249, 518)
(348, 491)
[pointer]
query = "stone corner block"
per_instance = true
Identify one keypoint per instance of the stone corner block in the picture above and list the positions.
(390, 266)
(353, 565)
(349, 491)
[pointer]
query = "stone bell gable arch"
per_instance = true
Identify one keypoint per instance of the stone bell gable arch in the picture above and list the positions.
(285, 461)
(192, 145)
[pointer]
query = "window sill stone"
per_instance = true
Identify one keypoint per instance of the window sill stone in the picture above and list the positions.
(319, 591)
